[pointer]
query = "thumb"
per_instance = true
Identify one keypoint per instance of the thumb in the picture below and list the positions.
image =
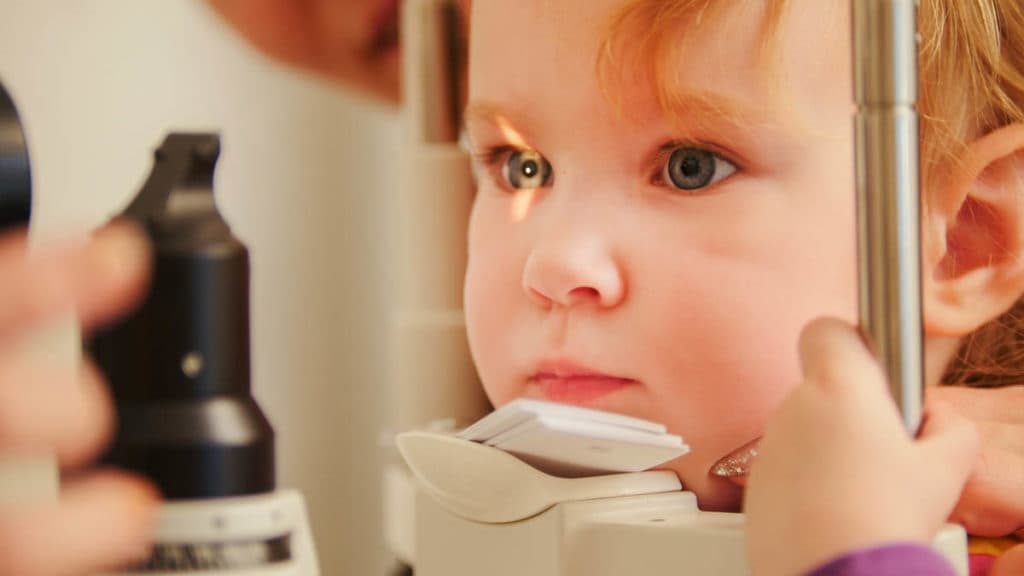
(948, 449)
(834, 357)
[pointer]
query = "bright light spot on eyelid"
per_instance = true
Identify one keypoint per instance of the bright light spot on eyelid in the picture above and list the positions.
(522, 202)
(511, 135)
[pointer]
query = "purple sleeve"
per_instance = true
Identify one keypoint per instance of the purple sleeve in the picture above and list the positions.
(888, 560)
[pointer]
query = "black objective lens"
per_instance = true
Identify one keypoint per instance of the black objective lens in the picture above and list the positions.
(179, 365)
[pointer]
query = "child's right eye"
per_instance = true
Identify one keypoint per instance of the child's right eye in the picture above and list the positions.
(526, 170)
(519, 169)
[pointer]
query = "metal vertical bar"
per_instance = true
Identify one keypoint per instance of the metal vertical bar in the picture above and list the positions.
(885, 44)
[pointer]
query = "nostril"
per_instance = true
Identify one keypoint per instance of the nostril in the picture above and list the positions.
(583, 293)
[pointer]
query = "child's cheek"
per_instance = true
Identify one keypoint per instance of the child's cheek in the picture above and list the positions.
(492, 297)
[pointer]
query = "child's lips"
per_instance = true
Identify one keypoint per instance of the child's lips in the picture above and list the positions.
(579, 389)
(736, 465)
(571, 383)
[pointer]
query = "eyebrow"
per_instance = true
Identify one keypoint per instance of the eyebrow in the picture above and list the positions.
(684, 109)
(701, 108)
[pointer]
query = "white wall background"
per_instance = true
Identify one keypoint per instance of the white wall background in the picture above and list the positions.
(302, 179)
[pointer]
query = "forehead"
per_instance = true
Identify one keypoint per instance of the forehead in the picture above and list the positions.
(546, 52)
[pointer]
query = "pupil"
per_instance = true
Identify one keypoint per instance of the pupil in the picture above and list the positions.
(691, 167)
(530, 168)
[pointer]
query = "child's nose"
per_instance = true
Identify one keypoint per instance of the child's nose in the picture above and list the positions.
(573, 273)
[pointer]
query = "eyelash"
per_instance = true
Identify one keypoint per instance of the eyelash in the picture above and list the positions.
(490, 156)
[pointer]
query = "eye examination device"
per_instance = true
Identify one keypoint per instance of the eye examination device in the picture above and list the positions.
(178, 367)
(459, 507)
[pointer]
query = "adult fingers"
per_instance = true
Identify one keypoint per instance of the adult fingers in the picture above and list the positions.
(1006, 437)
(947, 450)
(43, 409)
(1005, 405)
(100, 523)
(992, 503)
(97, 280)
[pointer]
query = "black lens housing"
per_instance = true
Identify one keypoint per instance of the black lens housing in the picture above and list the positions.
(178, 366)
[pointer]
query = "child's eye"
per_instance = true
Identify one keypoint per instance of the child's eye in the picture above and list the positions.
(526, 170)
(515, 168)
(690, 169)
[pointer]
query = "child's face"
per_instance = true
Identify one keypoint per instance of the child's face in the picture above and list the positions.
(683, 289)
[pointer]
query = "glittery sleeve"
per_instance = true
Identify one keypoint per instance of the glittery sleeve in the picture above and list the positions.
(889, 560)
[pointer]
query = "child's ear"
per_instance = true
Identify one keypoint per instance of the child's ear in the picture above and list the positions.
(973, 236)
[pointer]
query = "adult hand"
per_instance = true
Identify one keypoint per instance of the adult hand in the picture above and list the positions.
(101, 519)
(837, 472)
(992, 503)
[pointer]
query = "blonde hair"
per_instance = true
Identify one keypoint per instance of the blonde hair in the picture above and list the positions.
(971, 83)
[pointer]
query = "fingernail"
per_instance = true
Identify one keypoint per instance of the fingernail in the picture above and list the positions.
(738, 462)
